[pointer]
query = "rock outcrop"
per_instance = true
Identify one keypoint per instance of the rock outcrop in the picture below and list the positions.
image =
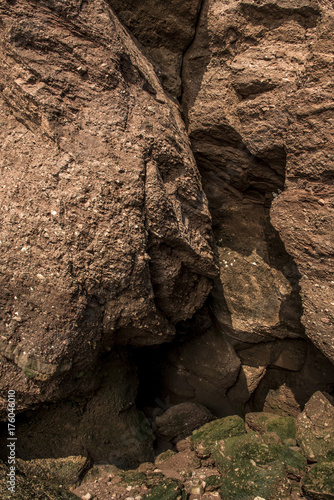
(105, 230)
(257, 97)
(118, 204)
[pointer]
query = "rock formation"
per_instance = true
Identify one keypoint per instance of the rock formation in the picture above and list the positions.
(257, 95)
(105, 232)
(167, 224)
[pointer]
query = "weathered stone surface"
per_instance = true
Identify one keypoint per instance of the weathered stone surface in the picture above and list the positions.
(257, 95)
(205, 439)
(283, 391)
(284, 427)
(181, 420)
(201, 370)
(318, 483)
(30, 486)
(248, 379)
(105, 230)
(288, 354)
(315, 427)
(165, 29)
(250, 463)
(65, 471)
(251, 467)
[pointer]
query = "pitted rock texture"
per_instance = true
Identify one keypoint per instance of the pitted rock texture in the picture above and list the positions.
(258, 98)
(105, 230)
(164, 29)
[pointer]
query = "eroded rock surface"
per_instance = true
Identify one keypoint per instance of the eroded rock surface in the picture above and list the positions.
(165, 29)
(257, 94)
(314, 427)
(105, 230)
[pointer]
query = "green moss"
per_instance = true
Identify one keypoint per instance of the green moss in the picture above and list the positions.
(65, 471)
(154, 479)
(285, 427)
(318, 483)
(213, 482)
(215, 431)
(314, 446)
(252, 447)
(246, 481)
(31, 487)
(132, 478)
(169, 490)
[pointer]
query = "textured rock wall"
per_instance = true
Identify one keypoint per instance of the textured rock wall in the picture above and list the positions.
(105, 230)
(257, 93)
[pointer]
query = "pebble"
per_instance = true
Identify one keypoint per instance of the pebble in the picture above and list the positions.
(88, 496)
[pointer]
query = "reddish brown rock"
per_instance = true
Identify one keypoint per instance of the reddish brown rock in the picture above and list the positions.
(258, 93)
(200, 370)
(165, 30)
(179, 421)
(105, 231)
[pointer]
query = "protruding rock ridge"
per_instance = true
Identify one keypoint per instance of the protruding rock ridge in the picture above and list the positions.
(105, 229)
(257, 93)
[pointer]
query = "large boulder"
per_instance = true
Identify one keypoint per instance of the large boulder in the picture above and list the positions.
(179, 421)
(200, 370)
(251, 464)
(105, 230)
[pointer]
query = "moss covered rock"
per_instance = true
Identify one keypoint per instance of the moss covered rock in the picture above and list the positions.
(253, 448)
(65, 471)
(205, 439)
(168, 490)
(132, 478)
(31, 487)
(318, 483)
(213, 482)
(245, 480)
(284, 427)
(315, 427)
(164, 456)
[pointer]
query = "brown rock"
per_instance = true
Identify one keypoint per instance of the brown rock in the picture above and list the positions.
(233, 86)
(315, 427)
(165, 29)
(282, 401)
(105, 426)
(285, 391)
(105, 230)
(201, 370)
(181, 420)
(258, 127)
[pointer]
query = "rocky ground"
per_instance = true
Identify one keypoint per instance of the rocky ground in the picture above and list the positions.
(265, 456)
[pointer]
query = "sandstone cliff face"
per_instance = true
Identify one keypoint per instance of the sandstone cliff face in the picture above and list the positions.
(257, 92)
(105, 230)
